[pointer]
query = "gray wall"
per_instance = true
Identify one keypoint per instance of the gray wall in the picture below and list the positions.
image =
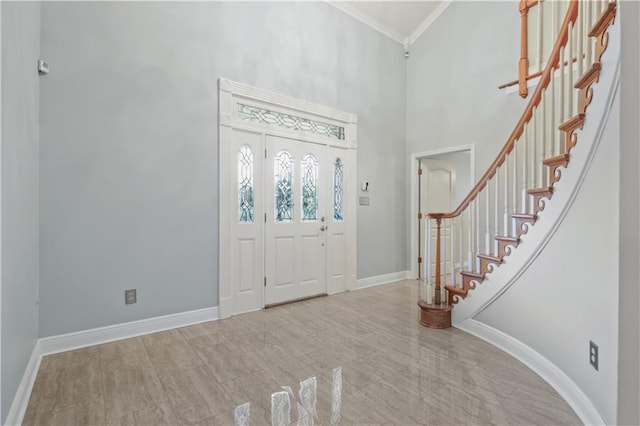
(20, 52)
(453, 76)
(129, 153)
(629, 293)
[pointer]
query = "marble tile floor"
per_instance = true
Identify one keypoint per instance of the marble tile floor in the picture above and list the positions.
(395, 372)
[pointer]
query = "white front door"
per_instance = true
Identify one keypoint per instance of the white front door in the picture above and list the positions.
(288, 195)
(296, 181)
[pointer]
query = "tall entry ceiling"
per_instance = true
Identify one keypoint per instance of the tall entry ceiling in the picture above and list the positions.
(402, 21)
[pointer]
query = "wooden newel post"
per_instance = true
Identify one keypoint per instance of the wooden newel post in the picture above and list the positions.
(436, 296)
(523, 64)
(436, 314)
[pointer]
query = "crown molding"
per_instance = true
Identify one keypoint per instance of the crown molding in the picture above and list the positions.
(367, 19)
(385, 30)
(429, 20)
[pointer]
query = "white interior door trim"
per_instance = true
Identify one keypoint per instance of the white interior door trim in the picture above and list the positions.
(413, 168)
(230, 95)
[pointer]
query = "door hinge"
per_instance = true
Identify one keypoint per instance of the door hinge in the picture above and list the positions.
(419, 172)
(265, 218)
(265, 281)
(419, 259)
(419, 215)
(265, 153)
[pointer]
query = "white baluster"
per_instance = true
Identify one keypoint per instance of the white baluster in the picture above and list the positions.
(505, 202)
(472, 207)
(554, 21)
(553, 124)
(588, 21)
(428, 241)
(533, 142)
(427, 253)
(525, 160)
(477, 248)
(472, 242)
(561, 91)
(453, 252)
(470, 237)
(570, 73)
(443, 266)
(496, 215)
(514, 176)
(580, 37)
(487, 235)
(540, 32)
(461, 236)
(543, 139)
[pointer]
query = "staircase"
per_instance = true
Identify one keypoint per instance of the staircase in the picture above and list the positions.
(505, 204)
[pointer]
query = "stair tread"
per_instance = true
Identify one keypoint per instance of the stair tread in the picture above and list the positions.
(558, 159)
(490, 257)
(542, 190)
(524, 216)
(457, 290)
(509, 239)
(603, 21)
(573, 122)
(588, 76)
(472, 274)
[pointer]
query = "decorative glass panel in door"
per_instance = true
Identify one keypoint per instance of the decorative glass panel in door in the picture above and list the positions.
(245, 184)
(283, 175)
(309, 188)
(338, 191)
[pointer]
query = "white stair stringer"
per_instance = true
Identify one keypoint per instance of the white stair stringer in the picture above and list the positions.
(565, 191)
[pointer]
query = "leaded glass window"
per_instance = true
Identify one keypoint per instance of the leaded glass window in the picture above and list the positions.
(309, 188)
(338, 191)
(292, 122)
(283, 167)
(245, 184)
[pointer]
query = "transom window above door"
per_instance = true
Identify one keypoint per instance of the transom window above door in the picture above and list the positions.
(278, 119)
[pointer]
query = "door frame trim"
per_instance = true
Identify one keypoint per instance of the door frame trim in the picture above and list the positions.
(229, 93)
(413, 188)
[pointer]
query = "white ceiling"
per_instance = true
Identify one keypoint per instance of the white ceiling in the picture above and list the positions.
(403, 21)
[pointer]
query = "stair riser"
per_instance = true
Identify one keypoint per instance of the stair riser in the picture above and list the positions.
(539, 202)
(487, 266)
(505, 248)
(523, 225)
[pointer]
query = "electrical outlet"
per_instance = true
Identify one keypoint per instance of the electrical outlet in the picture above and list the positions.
(130, 296)
(593, 354)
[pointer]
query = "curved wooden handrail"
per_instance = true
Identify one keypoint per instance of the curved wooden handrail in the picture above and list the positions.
(552, 63)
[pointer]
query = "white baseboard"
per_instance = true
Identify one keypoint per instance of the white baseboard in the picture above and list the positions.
(21, 400)
(110, 333)
(382, 279)
(96, 336)
(566, 387)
